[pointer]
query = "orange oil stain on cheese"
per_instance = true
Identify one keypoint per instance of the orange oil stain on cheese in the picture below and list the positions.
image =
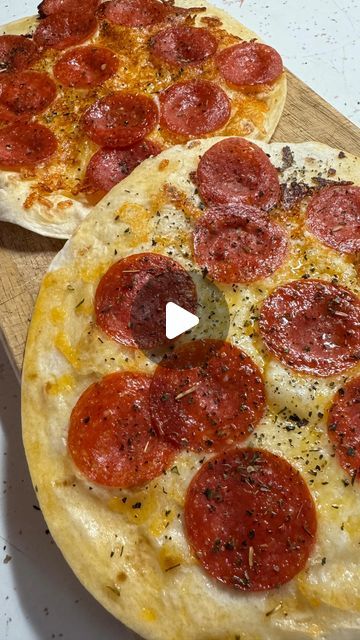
(91, 274)
(50, 281)
(63, 384)
(172, 195)
(137, 218)
(160, 521)
(66, 349)
(145, 508)
(57, 315)
(254, 110)
(136, 509)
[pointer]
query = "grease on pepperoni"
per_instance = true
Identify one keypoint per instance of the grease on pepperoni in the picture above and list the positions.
(121, 119)
(25, 94)
(250, 65)
(25, 145)
(312, 326)
(131, 298)
(206, 395)
(236, 170)
(333, 216)
(250, 519)
(49, 7)
(16, 53)
(108, 167)
(65, 29)
(344, 427)
(134, 13)
(194, 108)
(111, 439)
(85, 67)
(235, 243)
(183, 45)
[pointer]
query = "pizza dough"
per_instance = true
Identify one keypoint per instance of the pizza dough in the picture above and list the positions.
(128, 547)
(54, 197)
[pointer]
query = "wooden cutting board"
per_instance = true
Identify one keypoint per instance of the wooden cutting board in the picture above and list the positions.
(25, 256)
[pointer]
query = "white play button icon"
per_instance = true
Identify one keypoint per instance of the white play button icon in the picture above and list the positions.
(178, 320)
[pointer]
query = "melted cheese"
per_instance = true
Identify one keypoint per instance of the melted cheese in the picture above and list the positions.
(138, 562)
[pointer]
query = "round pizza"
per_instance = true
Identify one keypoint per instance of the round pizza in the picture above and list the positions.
(207, 487)
(90, 89)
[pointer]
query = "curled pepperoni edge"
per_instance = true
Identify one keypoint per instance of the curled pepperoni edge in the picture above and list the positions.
(200, 121)
(17, 91)
(227, 62)
(155, 264)
(69, 76)
(302, 361)
(50, 7)
(140, 13)
(10, 136)
(344, 427)
(231, 543)
(95, 125)
(166, 45)
(114, 455)
(243, 266)
(323, 211)
(57, 31)
(18, 53)
(212, 176)
(172, 404)
(108, 167)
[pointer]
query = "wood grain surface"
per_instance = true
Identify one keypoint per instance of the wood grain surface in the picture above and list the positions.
(25, 256)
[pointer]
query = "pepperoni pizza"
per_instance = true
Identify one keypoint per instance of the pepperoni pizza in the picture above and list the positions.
(207, 489)
(88, 90)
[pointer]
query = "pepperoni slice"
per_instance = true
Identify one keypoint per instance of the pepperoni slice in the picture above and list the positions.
(250, 519)
(49, 7)
(25, 145)
(236, 170)
(312, 326)
(134, 13)
(86, 67)
(111, 439)
(65, 29)
(344, 427)
(207, 395)
(16, 53)
(235, 243)
(194, 108)
(333, 216)
(250, 65)
(183, 45)
(131, 298)
(25, 94)
(108, 167)
(121, 119)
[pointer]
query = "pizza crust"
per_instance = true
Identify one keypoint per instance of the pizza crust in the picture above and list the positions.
(60, 215)
(126, 558)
